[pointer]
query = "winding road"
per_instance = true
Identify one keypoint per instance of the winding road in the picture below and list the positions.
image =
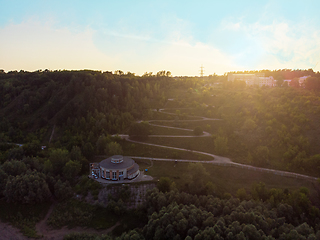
(217, 160)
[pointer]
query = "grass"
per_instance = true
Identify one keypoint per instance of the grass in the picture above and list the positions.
(169, 131)
(204, 144)
(214, 125)
(23, 216)
(143, 164)
(164, 116)
(188, 111)
(160, 116)
(228, 179)
(141, 150)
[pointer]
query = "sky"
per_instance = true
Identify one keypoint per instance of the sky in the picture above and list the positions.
(149, 36)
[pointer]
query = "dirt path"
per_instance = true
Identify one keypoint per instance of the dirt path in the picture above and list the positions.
(58, 234)
(9, 232)
(41, 227)
(52, 133)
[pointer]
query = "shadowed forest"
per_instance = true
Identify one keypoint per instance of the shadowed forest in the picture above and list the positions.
(53, 123)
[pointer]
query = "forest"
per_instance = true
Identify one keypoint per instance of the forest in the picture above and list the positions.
(53, 123)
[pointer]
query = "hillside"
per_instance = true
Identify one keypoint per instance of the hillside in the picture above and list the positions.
(267, 127)
(81, 104)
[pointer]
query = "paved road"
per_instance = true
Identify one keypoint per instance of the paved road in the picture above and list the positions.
(205, 134)
(218, 160)
(193, 120)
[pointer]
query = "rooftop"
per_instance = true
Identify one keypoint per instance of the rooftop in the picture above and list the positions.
(117, 162)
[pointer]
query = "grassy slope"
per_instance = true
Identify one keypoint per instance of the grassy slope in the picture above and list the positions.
(214, 125)
(230, 179)
(154, 130)
(141, 150)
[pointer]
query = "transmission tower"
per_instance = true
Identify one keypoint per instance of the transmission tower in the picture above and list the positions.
(201, 71)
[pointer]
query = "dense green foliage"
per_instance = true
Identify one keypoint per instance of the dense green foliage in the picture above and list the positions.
(27, 188)
(273, 215)
(74, 113)
(277, 127)
(34, 179)
(82, 104)
(269, 127)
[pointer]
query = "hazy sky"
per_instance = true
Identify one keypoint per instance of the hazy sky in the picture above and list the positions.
(149, 36)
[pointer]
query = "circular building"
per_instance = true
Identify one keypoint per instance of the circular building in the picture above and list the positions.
(115, 168)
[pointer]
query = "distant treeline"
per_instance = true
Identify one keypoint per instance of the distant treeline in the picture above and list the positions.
(283, 73)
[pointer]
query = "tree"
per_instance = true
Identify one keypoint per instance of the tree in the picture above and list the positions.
(211, 189)
(279, 81)
(241, 194)
(251, 232)
(101, 144)
(15, 153)
(259, 191)
(313, 83)
(14, 167)
(32, 149)
(27, 188)
(249, 125)
(76, 154)
(294, 82)
(199, 177)
(262, 152)
(71, 170)
(221, 145)
(47, 166)
(59, 158)
(113, 148)
(249, 158)
(62, 190)
(3, 181)
(88, 150)
(164, 184)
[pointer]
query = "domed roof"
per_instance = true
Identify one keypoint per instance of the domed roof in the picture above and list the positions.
(117, 159)
(117, 162)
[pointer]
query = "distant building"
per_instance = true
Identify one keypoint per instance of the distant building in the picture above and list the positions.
(286, 82)
(248, 78)
(302, 80)
(252, 79)
(266, 81)
(115, 168)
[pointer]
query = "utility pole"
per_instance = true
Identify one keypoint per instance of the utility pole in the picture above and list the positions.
(201, 71)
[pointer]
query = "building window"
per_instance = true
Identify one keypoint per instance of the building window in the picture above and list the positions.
(107, 175)
(114, 175)
(121, 173)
